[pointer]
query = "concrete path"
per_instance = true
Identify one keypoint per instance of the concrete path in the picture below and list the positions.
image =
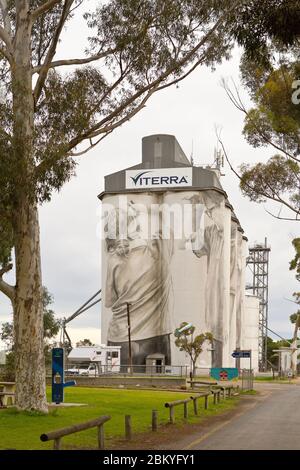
(269, 422)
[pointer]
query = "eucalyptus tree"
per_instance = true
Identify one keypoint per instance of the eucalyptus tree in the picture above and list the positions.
(269, 33)
(55, 109)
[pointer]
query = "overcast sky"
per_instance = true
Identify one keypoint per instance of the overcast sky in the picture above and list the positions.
(70, 246)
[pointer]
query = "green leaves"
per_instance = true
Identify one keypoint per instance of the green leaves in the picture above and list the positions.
(278, 179)
(136, 47)
(259, 24)
(274, 121)
(295, 263)
(186, 341)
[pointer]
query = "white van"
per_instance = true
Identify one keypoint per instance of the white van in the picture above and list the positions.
(90, 370)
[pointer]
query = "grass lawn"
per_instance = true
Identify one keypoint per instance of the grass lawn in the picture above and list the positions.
(276, 380)
(23, 430)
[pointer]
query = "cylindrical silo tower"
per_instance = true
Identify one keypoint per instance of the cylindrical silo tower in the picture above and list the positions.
(170, 254)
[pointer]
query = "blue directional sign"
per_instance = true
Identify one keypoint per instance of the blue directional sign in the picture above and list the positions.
(58, 382)
(241, 354)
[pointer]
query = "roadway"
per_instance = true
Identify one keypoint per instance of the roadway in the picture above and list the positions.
(268, 421)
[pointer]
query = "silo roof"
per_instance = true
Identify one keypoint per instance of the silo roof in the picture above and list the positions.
(162, 151)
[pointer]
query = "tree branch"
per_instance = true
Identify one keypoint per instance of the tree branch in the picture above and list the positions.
(52, 50)
(44, 8)
(6, 288)
(238, 103)
(293, 219)
(107, 124)
(5, 16)
(7, 40)
(92, 145)
(60, 63)
(6, 54)
(177, 80)
(98, 129)
(177, 65)
(275, 197)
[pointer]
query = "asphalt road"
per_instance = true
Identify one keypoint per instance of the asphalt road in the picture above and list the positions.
(270, 422)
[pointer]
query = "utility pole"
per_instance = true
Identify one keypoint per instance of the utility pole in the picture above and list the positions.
(295, 347)
(129, 339)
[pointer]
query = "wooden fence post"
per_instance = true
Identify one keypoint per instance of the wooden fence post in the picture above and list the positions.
(195, 403)
(101, 437)
(185, 410)
(56, 444)
(206, 402)
(172, 415)
(128, 429)
(154, 420)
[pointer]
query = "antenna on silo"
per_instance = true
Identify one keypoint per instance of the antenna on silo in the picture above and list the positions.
(192, 153)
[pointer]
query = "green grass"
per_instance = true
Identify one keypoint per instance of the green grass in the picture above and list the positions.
(248, 392)
(21, 430)
(270, 379)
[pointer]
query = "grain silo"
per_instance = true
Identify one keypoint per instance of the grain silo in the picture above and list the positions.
(172, 251)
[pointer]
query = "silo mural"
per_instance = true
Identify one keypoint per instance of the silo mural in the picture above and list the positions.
(170, 253)
(137, 277)
(233, 284)
(160, 251)
(240, 289)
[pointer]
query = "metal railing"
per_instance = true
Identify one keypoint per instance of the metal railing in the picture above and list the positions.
(124, 370)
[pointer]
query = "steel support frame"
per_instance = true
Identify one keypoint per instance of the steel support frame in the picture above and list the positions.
(259, 259)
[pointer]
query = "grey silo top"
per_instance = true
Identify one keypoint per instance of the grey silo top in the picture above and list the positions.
(164, 151)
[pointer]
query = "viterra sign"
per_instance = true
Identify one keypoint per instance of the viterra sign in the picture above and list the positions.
(159, 178)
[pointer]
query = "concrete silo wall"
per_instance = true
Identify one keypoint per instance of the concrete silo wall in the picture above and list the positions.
(240, 288)
(171, 262)
(233, 288)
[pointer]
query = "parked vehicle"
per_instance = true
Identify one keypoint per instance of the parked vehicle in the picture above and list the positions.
(83, 370)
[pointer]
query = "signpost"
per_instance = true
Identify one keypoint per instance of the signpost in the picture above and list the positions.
(58, 376)
(244, 354)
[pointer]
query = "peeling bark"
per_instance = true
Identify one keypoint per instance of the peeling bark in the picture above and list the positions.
(28, 308)
(28, 312)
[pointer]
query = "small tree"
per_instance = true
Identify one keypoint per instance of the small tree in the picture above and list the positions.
(84, 342)
(193, 346)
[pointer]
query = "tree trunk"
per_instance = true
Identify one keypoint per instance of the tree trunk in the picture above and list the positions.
(193, 367)
(28, 308)
(28, 312)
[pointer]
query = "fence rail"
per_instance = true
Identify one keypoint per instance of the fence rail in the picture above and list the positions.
(172, 404)
(56, 436)
(196, 398)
